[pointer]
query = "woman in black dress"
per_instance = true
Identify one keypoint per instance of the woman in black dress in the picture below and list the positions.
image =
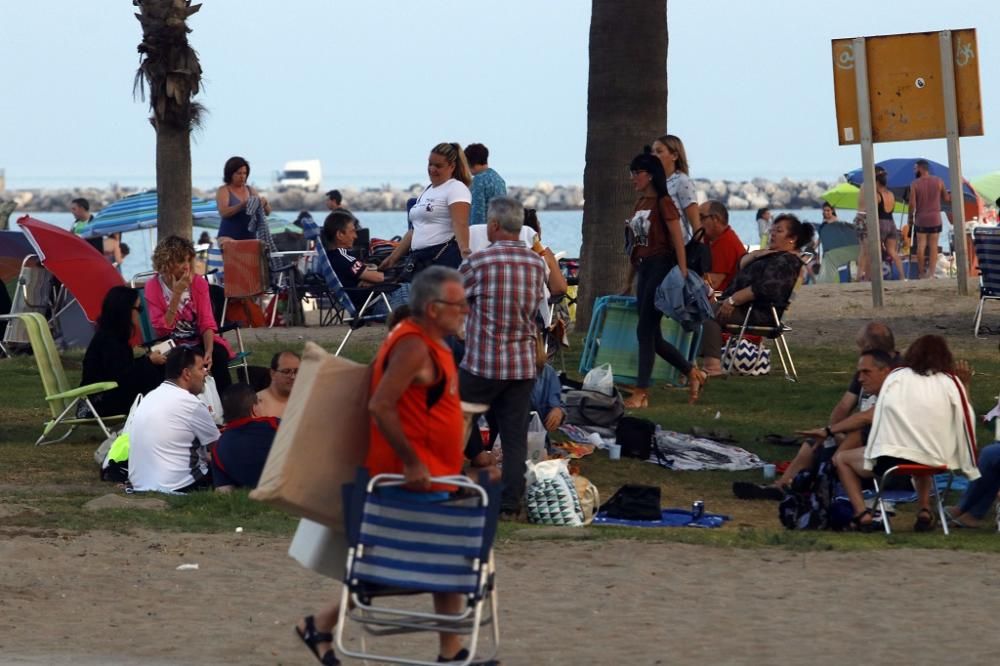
(110, 357)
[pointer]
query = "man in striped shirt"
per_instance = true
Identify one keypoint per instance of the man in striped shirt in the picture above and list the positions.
(504, 286)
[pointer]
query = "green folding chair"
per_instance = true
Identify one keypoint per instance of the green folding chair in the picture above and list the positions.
(60, 396)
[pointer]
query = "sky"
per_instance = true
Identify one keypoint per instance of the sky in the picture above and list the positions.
(369, 86)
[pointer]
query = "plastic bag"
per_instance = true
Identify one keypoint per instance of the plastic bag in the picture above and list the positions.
(210, 396)
(536, 439)
(551, 497)
(600, 379)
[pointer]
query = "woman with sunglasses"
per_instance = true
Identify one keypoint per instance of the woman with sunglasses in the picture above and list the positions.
(110, 356)
(439, 220)
(654, 243)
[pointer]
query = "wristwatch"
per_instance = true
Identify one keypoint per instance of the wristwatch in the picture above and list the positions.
(731, 301)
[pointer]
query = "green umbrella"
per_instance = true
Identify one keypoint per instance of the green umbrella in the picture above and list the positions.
(988, 186)
(845, 196)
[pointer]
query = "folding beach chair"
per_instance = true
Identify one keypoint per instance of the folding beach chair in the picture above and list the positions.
(339, 295)
(771, 327)
(914, 471)
(60, 396)
(247, 271)
(987, 243)
(32, 293)
(840, 248)
(611, 339)
(399, 547)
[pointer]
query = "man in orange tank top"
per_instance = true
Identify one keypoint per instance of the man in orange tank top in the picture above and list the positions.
(417, 423)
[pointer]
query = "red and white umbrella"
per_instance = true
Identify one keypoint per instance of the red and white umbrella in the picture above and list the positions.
(84, 271)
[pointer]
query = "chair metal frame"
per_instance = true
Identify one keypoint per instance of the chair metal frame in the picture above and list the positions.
(774, 332)
(914, 470)
(357, 598)
(59, 395)
(340, 296)
(989, 280)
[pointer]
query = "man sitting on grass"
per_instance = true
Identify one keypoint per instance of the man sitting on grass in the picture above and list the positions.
(239, 457)
(172, 430)
(875, 336)
(273, 400)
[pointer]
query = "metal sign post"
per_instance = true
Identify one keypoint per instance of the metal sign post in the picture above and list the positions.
(868, 167)
(948, 90)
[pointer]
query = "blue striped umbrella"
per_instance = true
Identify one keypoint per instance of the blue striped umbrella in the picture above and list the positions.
(139, 211)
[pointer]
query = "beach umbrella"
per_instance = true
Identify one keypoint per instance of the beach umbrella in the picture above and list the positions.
(845, 196)
(899, 175)
(84, 271)
(988, 186)
(276, 224)
(14, 247)
(139, 211)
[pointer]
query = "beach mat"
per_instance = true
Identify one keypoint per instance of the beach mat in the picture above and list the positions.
(669, 518)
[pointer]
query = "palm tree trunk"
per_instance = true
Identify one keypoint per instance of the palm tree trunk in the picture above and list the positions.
(626, 109)
(173, 182)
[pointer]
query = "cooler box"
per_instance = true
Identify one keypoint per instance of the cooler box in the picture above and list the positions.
(611, 339)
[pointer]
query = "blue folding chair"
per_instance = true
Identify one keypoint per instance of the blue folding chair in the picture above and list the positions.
(400, 547)
(339, 295)
(986, 240)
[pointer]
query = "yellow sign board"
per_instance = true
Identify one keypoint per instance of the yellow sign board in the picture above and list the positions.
(905, 87)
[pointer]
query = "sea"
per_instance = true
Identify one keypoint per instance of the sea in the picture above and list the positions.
(561, 230)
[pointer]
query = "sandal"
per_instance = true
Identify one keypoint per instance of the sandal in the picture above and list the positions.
(696, 380)
(638, 400)
(312, 638)
(864, 527)
(462, 655)
(924, 522)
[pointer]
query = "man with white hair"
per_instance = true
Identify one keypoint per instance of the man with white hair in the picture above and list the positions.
(503, 284)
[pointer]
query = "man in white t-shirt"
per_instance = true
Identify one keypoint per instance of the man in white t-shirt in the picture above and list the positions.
(171, 430)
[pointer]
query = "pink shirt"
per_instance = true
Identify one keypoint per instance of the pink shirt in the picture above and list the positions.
(194, 315)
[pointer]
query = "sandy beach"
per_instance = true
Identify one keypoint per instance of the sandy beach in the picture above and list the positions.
(100, 598)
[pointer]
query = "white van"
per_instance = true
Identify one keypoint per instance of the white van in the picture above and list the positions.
(302, 174)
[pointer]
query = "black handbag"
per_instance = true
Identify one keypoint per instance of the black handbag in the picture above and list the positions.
(418, 260)
(634, 502)
(698, 254)
(635, 436)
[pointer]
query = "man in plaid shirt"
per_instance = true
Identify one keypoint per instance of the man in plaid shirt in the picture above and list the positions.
(504, 287)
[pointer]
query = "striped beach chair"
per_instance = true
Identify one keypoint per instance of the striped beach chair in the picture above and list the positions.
(401, 547)
(986, 240)
(339, 296)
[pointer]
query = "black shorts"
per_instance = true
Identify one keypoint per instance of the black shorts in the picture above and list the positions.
(929, 230)
(884, 463)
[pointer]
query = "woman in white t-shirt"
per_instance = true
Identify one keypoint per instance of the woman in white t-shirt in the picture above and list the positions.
(670, 150)
(439, 220)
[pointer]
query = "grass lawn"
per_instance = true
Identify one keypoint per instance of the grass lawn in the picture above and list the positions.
(45, 488)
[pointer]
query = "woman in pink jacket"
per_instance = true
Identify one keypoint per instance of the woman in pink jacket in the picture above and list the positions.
(179, 306)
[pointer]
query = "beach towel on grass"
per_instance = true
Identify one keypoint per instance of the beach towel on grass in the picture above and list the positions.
(670, 518)
(681, 452)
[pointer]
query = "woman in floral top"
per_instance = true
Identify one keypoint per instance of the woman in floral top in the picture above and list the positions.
(766, 278)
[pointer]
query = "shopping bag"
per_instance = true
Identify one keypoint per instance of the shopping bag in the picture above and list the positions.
(600, 379)
(536, 439)
(210, 396)
(322, 439)
(319, 548)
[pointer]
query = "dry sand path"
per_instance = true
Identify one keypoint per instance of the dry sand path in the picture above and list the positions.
(99, 598)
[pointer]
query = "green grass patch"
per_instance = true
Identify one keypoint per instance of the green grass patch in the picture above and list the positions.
(45, 488)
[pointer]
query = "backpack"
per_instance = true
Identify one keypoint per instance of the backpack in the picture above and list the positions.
(593, 408)
(807, 502)
(635, 436)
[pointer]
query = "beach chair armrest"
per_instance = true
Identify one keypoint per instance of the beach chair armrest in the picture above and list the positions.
(83, 391)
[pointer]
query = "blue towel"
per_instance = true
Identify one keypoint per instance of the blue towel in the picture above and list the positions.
(669, 518)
